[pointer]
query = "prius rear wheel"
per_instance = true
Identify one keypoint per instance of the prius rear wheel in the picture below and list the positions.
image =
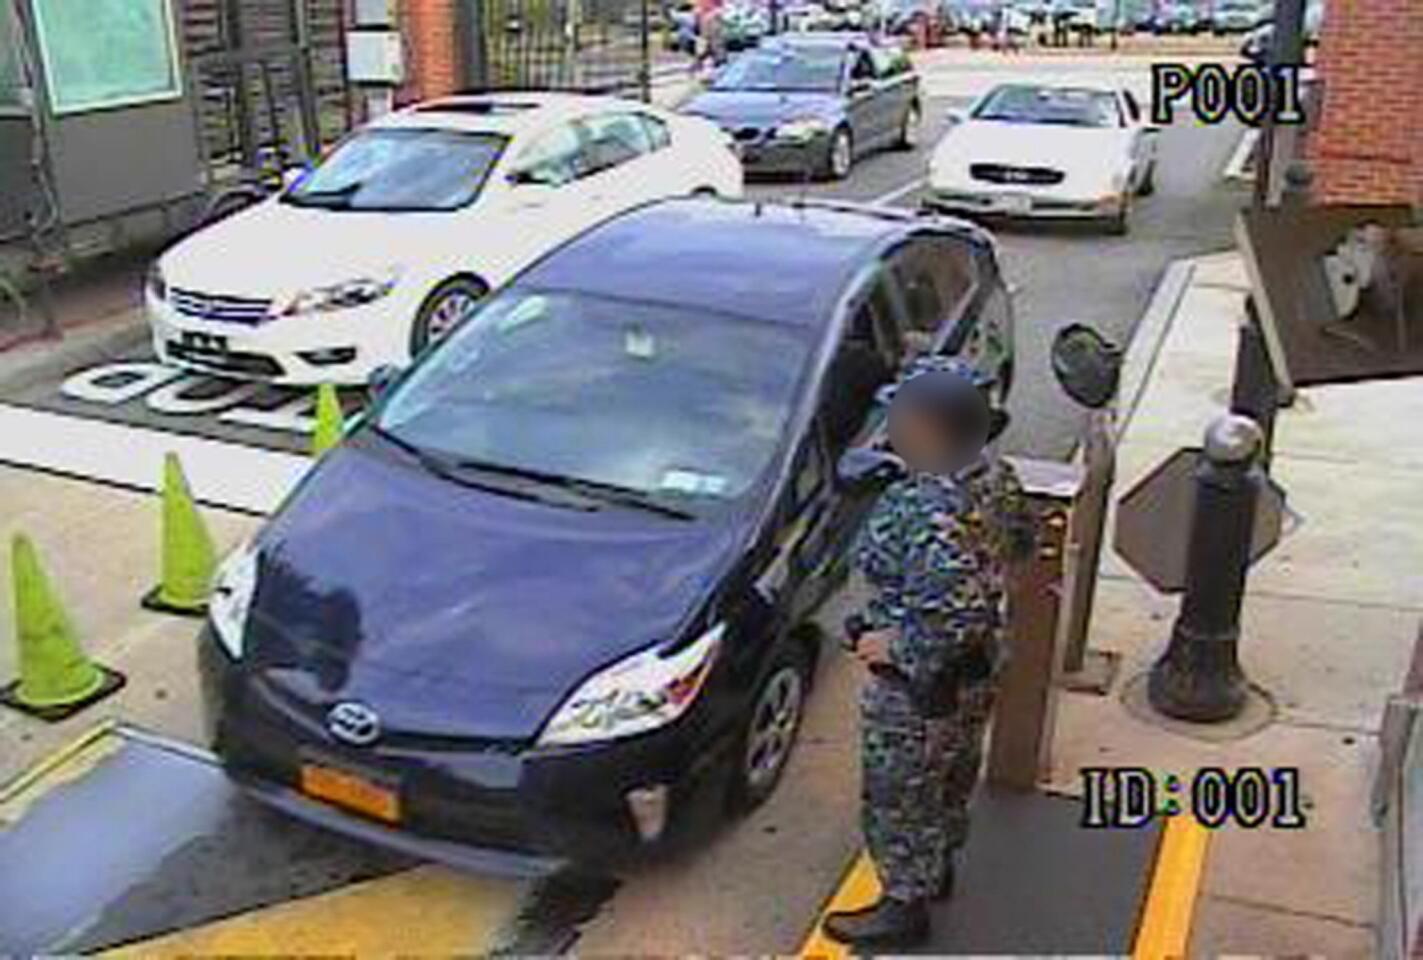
(770, 730)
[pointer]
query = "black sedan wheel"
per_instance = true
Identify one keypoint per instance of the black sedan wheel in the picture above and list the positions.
(840, 156)
(770, 730)
(450, 305)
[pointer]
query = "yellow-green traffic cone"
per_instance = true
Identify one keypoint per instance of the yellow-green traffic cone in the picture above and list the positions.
(330, 421)
(56, 678)
(189, 557)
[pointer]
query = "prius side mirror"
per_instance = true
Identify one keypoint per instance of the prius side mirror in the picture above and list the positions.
(380, 380)
(866, 470)
(1087, 365)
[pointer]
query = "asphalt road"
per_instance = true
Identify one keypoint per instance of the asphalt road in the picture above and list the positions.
(1068, 273)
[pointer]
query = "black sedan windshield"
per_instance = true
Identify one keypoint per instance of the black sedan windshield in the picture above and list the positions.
(400, 169)
(1053, 105)
(680, 405)
(811, 72)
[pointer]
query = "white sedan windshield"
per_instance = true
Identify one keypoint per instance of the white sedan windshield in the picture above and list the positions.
(400, 169)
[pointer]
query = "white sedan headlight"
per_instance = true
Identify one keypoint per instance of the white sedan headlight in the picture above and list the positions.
(233, 587)
(340, 296)
(804, 128)
(639, 693)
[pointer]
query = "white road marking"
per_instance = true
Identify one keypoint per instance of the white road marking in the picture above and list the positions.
(887, 198)
(220, 473)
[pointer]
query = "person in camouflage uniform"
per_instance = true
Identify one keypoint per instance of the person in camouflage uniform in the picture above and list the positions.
(934, 551)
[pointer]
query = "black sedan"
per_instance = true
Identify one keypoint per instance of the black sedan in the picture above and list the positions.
(811, 104)
(547, 602)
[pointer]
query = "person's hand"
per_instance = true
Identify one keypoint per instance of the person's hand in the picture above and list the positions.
(873, 647)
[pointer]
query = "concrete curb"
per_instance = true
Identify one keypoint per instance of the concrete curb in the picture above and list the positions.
(1149, 336)
(1235, 167)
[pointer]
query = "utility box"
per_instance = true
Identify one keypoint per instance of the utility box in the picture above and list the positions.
(374, 57)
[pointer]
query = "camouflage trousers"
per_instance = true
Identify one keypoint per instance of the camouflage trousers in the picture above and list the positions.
(917, 777)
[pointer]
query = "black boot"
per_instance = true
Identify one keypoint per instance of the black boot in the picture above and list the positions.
(889, 923)
(945, 889)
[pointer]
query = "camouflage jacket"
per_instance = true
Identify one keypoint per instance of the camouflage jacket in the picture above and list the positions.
(934, 551)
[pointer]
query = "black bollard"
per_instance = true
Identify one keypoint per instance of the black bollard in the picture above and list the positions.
(1199, 678)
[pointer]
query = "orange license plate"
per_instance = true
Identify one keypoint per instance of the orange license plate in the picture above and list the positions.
(351, 791)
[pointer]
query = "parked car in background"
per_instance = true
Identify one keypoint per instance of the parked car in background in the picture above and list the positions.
(931, 20)
(1177, 17)
(391, 240)
(1234, 16)
(812, 104)
(676, 461)
(743, 25)
(1023, 150)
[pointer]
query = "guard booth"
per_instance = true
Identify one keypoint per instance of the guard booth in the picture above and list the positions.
(121, 119)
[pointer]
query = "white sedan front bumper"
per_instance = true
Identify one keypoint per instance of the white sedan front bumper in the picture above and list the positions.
(341, 347)
(963, 196)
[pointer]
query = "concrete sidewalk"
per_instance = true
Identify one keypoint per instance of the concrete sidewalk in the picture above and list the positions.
(1329, 623)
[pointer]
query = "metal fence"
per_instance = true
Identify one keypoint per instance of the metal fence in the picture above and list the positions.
(602, 46)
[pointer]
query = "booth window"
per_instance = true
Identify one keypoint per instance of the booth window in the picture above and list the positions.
(107, 53)
(12, 80)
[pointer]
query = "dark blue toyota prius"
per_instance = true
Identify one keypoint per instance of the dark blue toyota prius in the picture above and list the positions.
(547, 602)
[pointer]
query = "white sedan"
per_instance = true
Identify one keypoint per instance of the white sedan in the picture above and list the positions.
(1027, 150)
(392, 239)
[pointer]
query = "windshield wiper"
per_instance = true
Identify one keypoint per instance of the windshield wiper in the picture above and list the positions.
(596, 489)
(334, 199)
(449, 471)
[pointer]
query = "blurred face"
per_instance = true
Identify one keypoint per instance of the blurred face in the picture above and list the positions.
(920, 441)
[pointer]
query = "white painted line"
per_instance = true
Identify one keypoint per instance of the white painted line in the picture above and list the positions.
(1235, 168)
(221, 474)
(888, 198)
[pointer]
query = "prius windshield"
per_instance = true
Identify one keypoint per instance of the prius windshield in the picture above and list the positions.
(1062, 106)
(685, 406)
(400, 169)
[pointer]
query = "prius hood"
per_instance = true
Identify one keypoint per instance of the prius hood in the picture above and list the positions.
(454, 611)
(1080, 152)
(275, 249)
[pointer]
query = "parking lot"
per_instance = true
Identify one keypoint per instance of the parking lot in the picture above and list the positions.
(760, 880)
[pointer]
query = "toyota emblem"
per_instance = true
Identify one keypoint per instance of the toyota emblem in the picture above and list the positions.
(353, 722)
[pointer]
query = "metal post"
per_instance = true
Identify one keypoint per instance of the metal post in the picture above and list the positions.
(645, 67)
(1287, 48)
(1255, 392)
(1199, 678)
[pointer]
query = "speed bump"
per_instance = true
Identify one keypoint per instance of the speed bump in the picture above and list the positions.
(56, 678)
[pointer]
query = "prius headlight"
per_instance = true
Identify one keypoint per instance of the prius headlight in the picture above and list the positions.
(233, 587)
(803, 128)
(647, 690)
(341, 296)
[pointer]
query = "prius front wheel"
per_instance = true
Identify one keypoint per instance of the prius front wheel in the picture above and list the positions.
(451, 304)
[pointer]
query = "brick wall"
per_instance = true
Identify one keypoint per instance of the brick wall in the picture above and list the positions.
(433, 58)
(1369, 144)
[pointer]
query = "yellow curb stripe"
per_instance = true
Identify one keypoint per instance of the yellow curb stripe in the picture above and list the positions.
(427, 911)
(859, 888)
(1165, 929)
(67, 763)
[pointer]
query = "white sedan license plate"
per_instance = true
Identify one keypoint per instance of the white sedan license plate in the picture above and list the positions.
(1015, 204)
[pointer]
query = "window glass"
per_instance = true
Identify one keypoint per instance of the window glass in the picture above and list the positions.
(11, 77)
(554, 157)
(657, 133)
(1059, 106)
(107, 53)
(615, 139)
(400, 169)
(889, 61)
(676, 403)
(864, 364)
(775, 68)
(936, 275)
